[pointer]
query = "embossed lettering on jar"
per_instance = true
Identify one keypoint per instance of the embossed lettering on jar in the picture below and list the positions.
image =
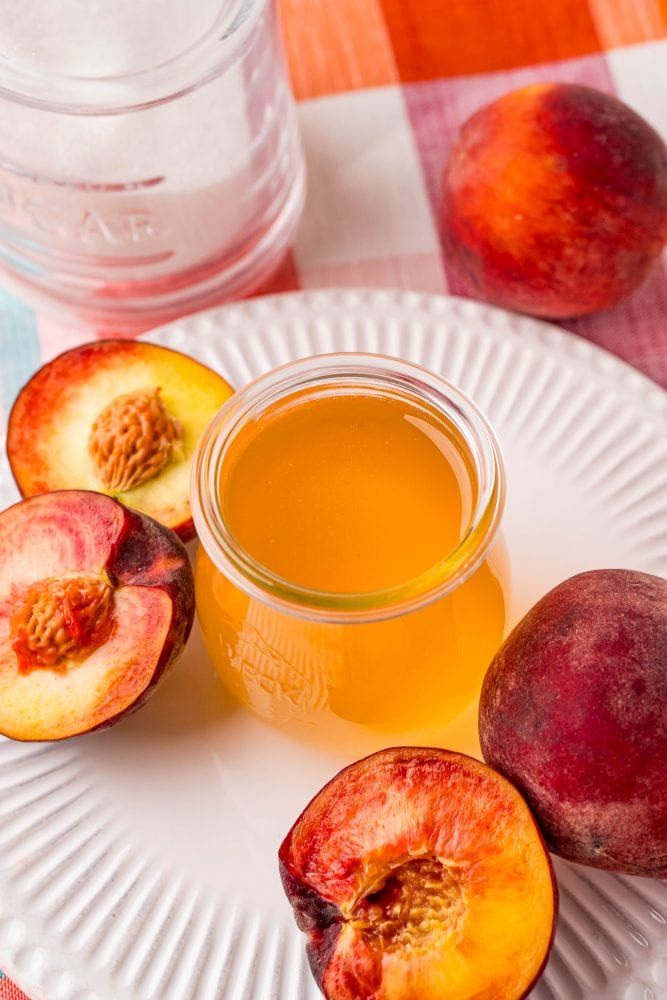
(148, 168)
(349, 578)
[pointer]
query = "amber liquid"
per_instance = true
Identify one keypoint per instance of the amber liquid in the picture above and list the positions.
(352, 494)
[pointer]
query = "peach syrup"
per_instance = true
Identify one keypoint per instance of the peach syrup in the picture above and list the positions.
(345, 578)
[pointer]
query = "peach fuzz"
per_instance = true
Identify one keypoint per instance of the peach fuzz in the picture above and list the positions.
(573, 711)
(420, 873)
(554, 201)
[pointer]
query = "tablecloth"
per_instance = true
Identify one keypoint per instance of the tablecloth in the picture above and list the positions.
(383, 86)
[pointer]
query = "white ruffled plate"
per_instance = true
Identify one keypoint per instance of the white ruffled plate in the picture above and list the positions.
(140, 864)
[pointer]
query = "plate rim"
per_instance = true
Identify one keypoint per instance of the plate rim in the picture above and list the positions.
(547, 336)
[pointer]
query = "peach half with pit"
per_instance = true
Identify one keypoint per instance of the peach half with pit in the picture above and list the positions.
(573, 710)
(96, 601)
(420, 872)
(554, 201)
(119, 417)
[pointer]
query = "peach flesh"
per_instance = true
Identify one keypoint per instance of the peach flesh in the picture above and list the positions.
(573, 711)
(554, 201)
(122, 417)
(420, 873)
(96, 601)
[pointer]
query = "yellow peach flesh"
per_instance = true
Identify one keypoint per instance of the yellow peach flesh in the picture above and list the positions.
(441, 880)
(88, 693)
(51, 422)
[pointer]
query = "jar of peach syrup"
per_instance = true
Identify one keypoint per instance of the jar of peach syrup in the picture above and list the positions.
(349, 578)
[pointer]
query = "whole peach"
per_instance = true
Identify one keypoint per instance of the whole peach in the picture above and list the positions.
(555, 201)
(573, 711)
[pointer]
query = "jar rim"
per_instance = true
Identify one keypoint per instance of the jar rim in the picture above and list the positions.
(362, 371)
(174, 77)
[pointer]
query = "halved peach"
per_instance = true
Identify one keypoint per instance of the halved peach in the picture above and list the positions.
(96, 601)
(119, 417)
(420, 873)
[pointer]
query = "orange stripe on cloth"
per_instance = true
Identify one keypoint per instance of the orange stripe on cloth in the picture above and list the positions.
(440, 38)
(628, 22)
(336, 46)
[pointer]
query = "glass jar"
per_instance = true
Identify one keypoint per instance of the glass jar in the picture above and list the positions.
(352, 664)
(150, 161)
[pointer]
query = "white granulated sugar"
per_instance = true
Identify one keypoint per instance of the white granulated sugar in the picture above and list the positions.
(201, 137)
(103, 38)
(212, 148)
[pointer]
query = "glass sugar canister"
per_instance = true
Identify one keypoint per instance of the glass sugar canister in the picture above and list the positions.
(150, 160)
